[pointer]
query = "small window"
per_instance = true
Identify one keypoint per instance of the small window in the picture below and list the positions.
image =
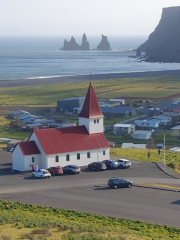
(57, 158)
(88, 155)
(32, 159)
(78, 156)
(67, 157)
(104, 152)
(97, 120)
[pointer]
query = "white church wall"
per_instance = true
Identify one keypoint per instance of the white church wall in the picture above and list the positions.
(18, 159)
(43, 158)
(95, 156)
(91, 126)
(29, 162)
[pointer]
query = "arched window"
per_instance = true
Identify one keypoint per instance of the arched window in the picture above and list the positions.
(78, 156)
(104, 152)
(94, 120)
(57, 158)
(67, 157)
(88, 155)
(32, 159)
(97, 120)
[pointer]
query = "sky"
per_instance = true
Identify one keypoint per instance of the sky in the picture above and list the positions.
(74, 17)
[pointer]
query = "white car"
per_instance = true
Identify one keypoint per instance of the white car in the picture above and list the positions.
(152, 130)
(157, 109)
(175, 102)
(123, 163)
(41, 173)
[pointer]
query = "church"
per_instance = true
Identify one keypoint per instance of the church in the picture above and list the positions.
(77, 145)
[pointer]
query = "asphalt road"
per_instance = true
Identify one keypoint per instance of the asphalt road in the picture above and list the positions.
(88, 192)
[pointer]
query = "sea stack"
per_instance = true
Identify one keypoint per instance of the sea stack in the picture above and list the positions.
(104, 44)
(85, 44)
(72, 45)
(163, 45)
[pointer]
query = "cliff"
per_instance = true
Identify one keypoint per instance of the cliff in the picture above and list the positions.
(163, 45)
(72, 45)
(104, 44)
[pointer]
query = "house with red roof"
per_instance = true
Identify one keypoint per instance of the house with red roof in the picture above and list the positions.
(77, 145)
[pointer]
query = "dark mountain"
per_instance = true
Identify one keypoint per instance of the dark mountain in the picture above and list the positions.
(104, 44)
(85, 44)
(163, 45)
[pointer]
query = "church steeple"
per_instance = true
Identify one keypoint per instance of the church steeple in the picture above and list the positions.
(91, 107)
(91, 115)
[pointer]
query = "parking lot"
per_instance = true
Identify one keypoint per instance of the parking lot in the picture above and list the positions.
(88, 192)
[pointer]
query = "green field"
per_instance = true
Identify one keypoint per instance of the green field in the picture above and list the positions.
(172, 159)
(47, 95)
(27, 221)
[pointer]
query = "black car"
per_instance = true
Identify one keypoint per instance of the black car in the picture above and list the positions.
(97, 166)
(119, 183)
(110, 164)
(73, 169)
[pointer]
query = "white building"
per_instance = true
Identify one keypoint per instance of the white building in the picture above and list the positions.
(133, 145)
(123, 129)
(164, 120)
(141, 134)
(120, 101)
(79, 145)
(152, 123)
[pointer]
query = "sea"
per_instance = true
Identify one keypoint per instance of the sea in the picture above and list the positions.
(41, 57)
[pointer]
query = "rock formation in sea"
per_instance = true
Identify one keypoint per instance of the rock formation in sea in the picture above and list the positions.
(104, 44)
(163, 45)
(72, 45)
(85, 44)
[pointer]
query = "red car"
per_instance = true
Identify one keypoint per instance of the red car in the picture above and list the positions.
(55, 170)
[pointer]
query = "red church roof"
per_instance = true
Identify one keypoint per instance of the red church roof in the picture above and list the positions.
(69, 139)
(91, 107)
(28, 148)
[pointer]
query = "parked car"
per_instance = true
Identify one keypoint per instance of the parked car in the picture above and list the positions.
(73, 169)
(11, 150)
(97, 166)
(152, 130)
(111, 164)
(119, 183)
(55, 170)
(150, 109)
(41, 173)
(123, 163)
(157, 109)
(175, 102)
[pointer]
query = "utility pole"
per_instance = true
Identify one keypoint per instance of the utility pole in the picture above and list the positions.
(164, 150)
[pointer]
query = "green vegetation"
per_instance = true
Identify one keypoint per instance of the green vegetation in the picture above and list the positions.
(47, 95)
(27, 221)
(172, 158)
(6, 132)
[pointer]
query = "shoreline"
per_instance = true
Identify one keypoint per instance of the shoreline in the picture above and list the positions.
(78, 78)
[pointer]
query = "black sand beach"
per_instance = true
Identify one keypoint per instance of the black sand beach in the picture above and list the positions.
(78, 78)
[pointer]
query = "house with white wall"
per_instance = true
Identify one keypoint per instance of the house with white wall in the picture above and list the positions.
(78, 145)
(141, 134)
(152, 123)
(123, 129)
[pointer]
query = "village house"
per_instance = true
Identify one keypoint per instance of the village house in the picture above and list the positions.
(141, 134)
(123, 129)
(152, 123)
(79, 145)
(175, 131)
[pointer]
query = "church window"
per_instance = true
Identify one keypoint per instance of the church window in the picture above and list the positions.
(97, 120)
(78, 156)
(94, 120)
(67, 157)
(57, 158)
(88, 155)
(104, 152)
(32, 159)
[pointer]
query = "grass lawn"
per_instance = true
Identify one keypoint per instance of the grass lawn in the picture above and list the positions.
(6, 132)
(27, 221)
(48, 94)
(172, 158)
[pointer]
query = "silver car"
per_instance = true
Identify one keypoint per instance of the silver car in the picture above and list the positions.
(41, 173)
(73, 169)
(123, 163)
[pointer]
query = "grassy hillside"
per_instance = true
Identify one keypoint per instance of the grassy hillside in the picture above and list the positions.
(172, 158)
(47, 95)
(26, 221)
